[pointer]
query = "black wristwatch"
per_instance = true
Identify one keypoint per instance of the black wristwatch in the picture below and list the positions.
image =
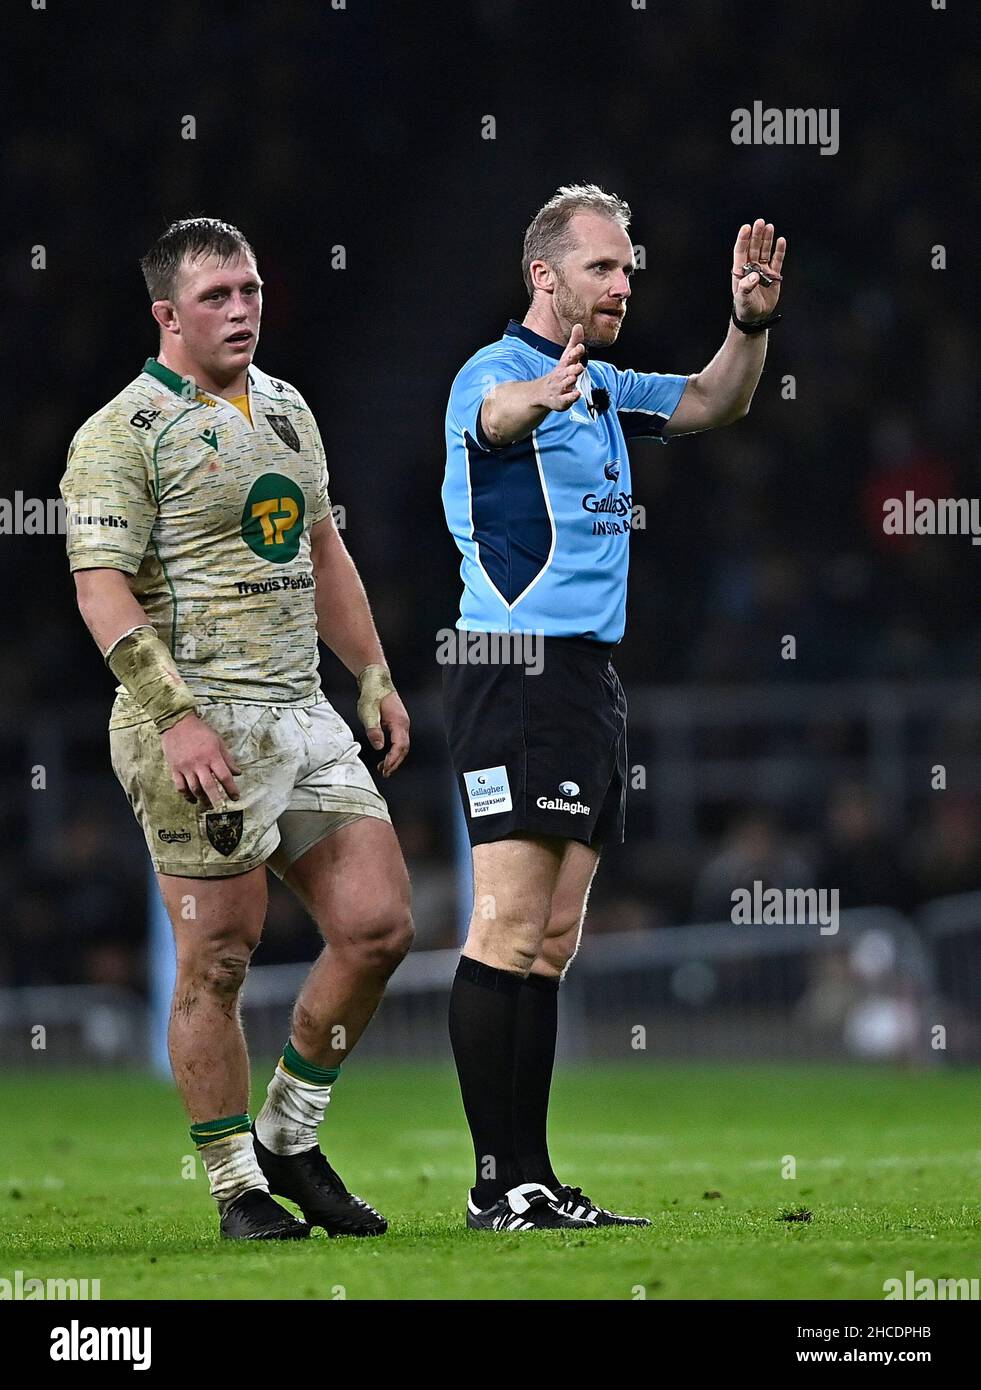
(757, 325)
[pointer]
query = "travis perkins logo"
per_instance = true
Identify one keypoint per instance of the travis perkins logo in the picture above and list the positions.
(275, 586)
(568, 789)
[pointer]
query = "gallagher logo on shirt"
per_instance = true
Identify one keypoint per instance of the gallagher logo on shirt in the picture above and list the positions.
(616, 508)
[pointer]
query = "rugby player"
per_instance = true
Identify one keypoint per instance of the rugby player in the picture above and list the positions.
(538, 499)
(206, 561)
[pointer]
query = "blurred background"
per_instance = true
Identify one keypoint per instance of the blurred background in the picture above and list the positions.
(362, 127)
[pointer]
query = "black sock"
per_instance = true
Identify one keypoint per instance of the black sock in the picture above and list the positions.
(483, 1025)
(534, 1055)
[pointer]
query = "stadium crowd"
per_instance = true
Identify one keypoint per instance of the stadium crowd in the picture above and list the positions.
(388, 233)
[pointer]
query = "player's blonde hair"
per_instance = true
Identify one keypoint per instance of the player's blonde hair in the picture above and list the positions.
(196, 238)
(548, 237)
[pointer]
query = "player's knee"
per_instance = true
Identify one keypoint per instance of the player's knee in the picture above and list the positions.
(219, 967)
(382, 938)
(225, 973)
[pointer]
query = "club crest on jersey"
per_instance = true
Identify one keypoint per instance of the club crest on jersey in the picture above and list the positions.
(284, 428)
(224, 830)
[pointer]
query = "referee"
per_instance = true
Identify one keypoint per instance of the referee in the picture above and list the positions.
(538, 498)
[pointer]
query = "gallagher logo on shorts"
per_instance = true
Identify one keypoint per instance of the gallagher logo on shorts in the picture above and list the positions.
(567, 789)
(488, 791)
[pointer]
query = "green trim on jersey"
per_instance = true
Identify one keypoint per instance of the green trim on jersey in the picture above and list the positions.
(160, 439)
(173, 597)
(170, 379)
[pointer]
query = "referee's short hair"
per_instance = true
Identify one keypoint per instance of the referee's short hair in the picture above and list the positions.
(548, 237)
(195, 237)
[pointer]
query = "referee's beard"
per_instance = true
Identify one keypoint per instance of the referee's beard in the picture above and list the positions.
(600, 328)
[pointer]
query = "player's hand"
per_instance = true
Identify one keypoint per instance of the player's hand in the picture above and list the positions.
(558, 390)
(393, 718)
(755, 246)
(199, 762)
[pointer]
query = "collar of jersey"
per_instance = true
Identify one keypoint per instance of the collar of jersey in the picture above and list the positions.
(545, 345)
(170, 379)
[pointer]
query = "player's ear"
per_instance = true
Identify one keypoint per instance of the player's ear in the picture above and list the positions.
(164, 312)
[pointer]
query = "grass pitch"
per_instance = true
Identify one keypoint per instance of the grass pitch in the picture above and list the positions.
(887, 1168)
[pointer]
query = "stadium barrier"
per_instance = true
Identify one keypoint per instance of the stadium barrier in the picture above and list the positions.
(770, 991)
(691, 749)
(696, 992)
(881, 988)
(951, 929)
(89, 1025)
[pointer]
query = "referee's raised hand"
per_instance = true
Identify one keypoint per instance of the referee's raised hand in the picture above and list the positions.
(757, 260)
(558, 389)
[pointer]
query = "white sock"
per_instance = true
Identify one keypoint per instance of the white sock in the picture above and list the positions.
(292, 1113)
(232, 1167)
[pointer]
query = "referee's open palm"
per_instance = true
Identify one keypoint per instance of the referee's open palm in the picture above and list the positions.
(559, 387)
(756, 246)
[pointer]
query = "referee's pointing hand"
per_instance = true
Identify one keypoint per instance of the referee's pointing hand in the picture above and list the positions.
(559, 389)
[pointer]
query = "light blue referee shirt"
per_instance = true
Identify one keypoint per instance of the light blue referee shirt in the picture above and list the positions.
(544, 525)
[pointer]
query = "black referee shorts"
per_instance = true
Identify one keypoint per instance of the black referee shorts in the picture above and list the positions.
(540, 752)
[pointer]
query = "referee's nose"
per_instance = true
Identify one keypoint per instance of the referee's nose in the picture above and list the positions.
(620, 289)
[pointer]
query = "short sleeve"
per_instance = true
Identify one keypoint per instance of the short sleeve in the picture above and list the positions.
(110, 507)
(646, 401)
(476, 381)
(320, 505)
